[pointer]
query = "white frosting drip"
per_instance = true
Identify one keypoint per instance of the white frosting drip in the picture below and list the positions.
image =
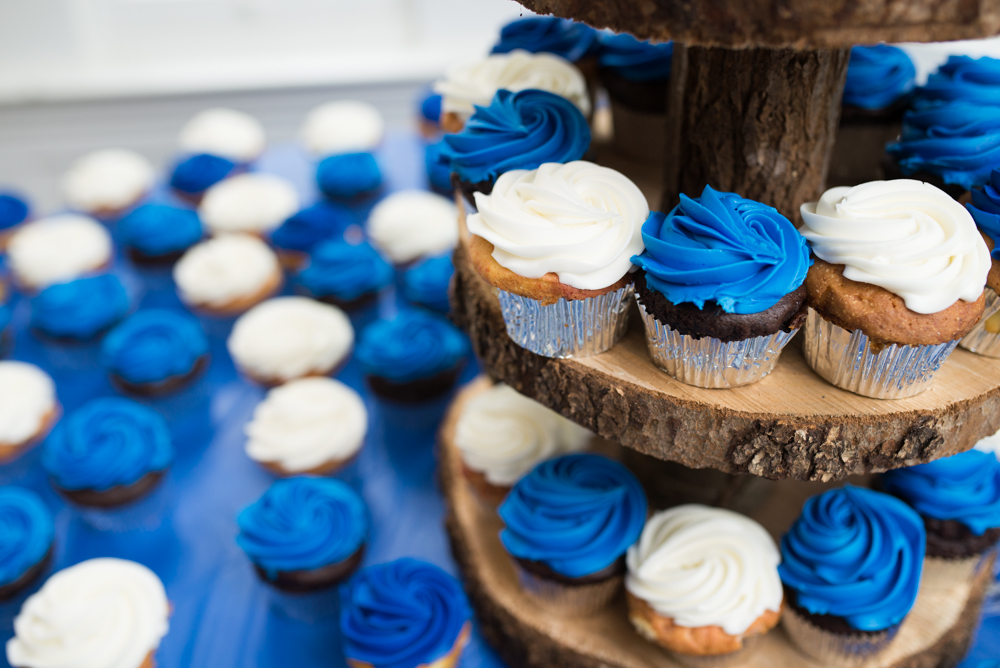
(27, 398)
(107, 180)
(290, 337)
(704, 566)
(908, 237)
(254, 203)
(226, 133)
(504, 434)
(306, 423)
(101, 613)
(342, 127)
(225, 269)
(475, 84)
(410, 224)
(58, 249)
(579, 220)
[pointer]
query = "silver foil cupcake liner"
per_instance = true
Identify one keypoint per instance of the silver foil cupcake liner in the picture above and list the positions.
(712, 363)
(568, 328)
(832, 649)
(981, 340)
(846, 359)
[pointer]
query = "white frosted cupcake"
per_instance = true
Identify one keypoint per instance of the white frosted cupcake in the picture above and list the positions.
(58, 249)
(228, 274)
(226, 133)
(347, 126)
(101, 612)
(28, 407)
(253, 203)
(307, 426)
(107, 183)
(411, 224)
(286, 338)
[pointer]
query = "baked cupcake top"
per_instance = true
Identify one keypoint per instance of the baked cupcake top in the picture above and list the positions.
(426, 282)
(289, 337)
(703, 566)
(633, 59)
(346, 126)
(107, 180)
(907, 237)
(563, 37)
(58, 249)
(80, 309)
(857, 554)
(14, 210)
(579, 220)
(413, 345)
(346, 175)
(964, 78)
(504, 435)
(105, 443)
(105, 612)
(306, 423)
(878, 76)
(402, 614)
(315, 223)
(410, 224)
(225, 269)
(576, 514)
(195, 174)
(156, 230)
(255, 203)
(153, 345)
(26, 532)
(345, 271)
(27, 401)
(226, 133)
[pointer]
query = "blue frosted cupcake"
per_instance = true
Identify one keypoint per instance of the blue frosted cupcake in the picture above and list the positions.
(158, 233)
(568, 524)
(963, 78)
(429, 113)
(438, 168)
(985, 209)
(348, 175)
(305, 534)
(426, 283)
(14, 210)
(301, 232)
(548, 34)
(155, 351)
(343, 274)
(851, 566)
(404, 614)
(81, 309)
(636, 73)
(26, 536)
(195, 174)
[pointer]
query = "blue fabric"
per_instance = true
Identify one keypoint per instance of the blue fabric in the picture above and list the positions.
(964, 78)
(635, 60)
(347, 175)
(985, 210)
(878, 76)
(323, 220)
(413, 345)
(438, 168)
(563, 37)
(153, 345)
(197, 173)
(426, 282)
(345, 271)
(160, 229)
(80, 309)
(430, 106)
(13, 210)
(26, 532)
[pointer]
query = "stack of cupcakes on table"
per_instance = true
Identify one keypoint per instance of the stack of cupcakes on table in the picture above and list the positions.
(342, 136)
(214, 144)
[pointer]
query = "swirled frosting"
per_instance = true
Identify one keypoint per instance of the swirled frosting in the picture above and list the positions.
(58, 249)
(27, 401)
(347, 175)
(857, 554)
(438, 168)
(964, 78)
(107, 180)
(721, 247)
(306, 423)
(346, 271)
(563, 37)
(80, 309)
(312, 225)
(985, 210)
(704, 566)
(413, 345)
(26, 532)
(905, 236)
(426, 282)
(225, 269)
(153, 345)
(410, 224)
(107, 442)
(158, 229)
(255, 203)
(402, 614)
(878, 76)
(226, 133)
(302, 524)
(197, 173)
(504, 434)
(14, 210)
(430, 105)
(520, 130)
(579, 220)
(105, 612)
(577, 514)
(633, 59)
(346, 126)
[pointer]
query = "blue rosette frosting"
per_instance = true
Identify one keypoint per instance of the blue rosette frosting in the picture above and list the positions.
(79, 309)
(153, 345)
(577, 514)
(105, 443)
(344, 271)
(985, 210)
(964, 78)
(156, 230)
(721, 247)
(26, 532)
(197, 173)
(857, 554)
(415, 344)
(548, 34)
(520, 130)
(633, 59)
(14, 210)
(308, 227)
(437, 166)
(430, 106)
(426, 282)
(878, 76)
(347, 175)
(402, 614)
(302, 524)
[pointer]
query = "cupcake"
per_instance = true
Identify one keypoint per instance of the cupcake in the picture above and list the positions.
(154, 351)
(302, 231)
(404, 614)
(413, 357)
(721, 291)
(158, 233)
(307, 426)
(898, 280)
(427, 282)
(703, 582)
(348, 175)
(228, 274)
(14, 210)
(438, 168)
(109, 608)
(58, 249)
(225, 133)
(346, 275)
(28, 407)
(109, 452)
(346, 126)
(411, 224)
(251, 203)
(985, 209)
(286, 338)
(429, 117)
(568, 524)
(556, 242)
(193, 175)
(80, 309)
(502, 435)
(304, 533)
(549, 34)
(851, 567)
(963, 78)
(27, 533)
(105, 184)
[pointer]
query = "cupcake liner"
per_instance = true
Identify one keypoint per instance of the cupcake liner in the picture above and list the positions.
(708, 362)
(846, 359)
(833, 649)
(981, 340)
(569, 600)
(566, 329)
(735, 659)
(309, 607)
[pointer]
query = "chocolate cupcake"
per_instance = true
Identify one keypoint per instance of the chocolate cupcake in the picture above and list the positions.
(346, 275)
(14, 210)
(193, 175)
(27, 533)
(81, 309)
(303, 231)
(427, 283)
(158, 233)
(985, 209)
(346, 176)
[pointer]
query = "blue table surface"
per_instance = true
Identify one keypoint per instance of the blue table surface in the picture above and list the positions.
(223, 614)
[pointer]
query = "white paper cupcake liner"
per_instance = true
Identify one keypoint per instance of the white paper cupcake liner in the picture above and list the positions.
(569, 600)
(708, 362)
(846, 359)
(568, 328)
(832, 649)
(981, 340)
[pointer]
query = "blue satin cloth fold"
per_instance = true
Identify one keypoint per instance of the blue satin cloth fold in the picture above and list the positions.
(79, 309)
(426, 282)
(26, 532)
(633, 59)
(548, 34)
(964, 78)
(158, 229)
(344, 271)
(985, 210)
(313, 224)
(878, 76)
(153, 345)
(415, 344)
(347, 175)
(197, 173)
(14, 210)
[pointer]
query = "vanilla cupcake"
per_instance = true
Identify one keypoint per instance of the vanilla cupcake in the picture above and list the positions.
(411, 224)
(226, 133)
(345, 126)
(228, 274)
(58, 249)
(286, 338)
(253, 203)
(28, 407)
(107, 183)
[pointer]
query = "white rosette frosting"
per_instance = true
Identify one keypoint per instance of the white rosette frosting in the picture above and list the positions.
(504, 434)
(224, 269)
(702, 566)
(254, 203)
(226, 133)
(411, 224)
(104, 612)
(27, 400)
(347, 126)
(58, 249)
(107, 180)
